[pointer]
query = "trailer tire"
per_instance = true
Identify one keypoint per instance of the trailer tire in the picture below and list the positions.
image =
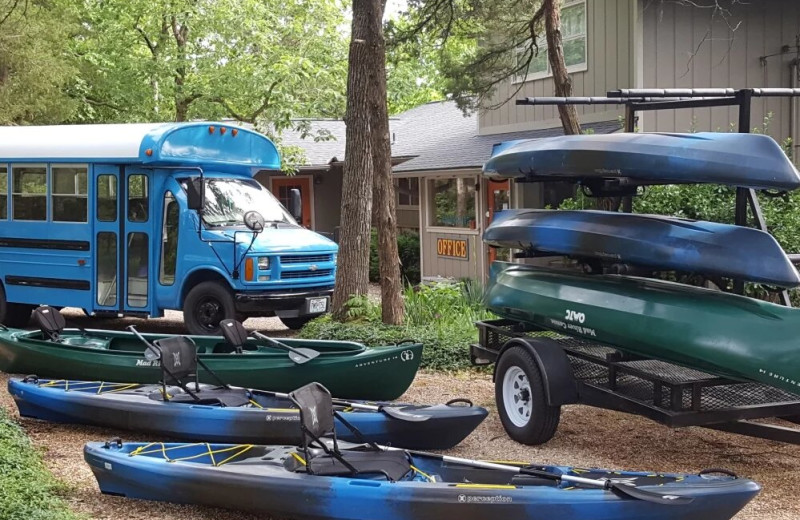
(521, 399)
(205, 306)
(16, 315)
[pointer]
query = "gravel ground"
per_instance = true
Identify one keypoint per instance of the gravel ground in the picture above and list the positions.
(586, 437)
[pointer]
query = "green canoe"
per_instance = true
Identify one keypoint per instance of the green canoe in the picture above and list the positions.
(719, 333)
(350, 370)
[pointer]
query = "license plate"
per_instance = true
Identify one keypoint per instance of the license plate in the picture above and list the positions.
(317, 305)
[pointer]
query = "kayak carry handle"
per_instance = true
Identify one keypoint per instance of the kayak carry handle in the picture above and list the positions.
(113, 440)
(31, 378)
(711, 471)
(459, 401)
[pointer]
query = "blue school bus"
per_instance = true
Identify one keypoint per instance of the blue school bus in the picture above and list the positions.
(135, 219)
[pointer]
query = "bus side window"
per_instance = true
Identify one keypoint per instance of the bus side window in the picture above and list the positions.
(106, 198)
(138, 198)
(3, 193)
(29, 192)
(169, 240)
(69, 193)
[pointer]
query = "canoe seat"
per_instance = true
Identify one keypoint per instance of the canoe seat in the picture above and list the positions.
(49, 321)
(323, 457)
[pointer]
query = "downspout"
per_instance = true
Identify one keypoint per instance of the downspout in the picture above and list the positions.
(794, 120)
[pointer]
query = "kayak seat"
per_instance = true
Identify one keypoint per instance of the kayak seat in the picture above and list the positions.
(49, 321)
(215, 396)
(178, 355)
(392, 464)
(317, 416)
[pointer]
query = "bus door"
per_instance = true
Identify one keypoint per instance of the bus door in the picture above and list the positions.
(122, 235)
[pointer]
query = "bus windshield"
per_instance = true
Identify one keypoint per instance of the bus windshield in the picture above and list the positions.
(227, 200)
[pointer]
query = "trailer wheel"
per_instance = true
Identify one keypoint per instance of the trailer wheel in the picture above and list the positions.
(521, 400)
(205, 306)
(15, 315)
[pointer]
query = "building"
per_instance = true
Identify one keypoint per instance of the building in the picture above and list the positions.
(609, 44)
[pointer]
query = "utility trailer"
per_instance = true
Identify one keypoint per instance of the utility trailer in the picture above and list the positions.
(537, 371)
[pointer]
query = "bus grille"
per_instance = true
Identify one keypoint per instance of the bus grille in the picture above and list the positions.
(302, 259)
(305, 274)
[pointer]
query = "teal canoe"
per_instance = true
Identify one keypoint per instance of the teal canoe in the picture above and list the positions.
(719, 333)
(350, 370)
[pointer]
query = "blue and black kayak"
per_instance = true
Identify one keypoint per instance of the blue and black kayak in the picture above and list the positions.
(746, 160)
(235, 415)
(656, 242)
(274, 480)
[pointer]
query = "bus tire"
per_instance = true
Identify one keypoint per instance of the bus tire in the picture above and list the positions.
(521, 399)
(296, 323)
(205, 306)
(15, 315)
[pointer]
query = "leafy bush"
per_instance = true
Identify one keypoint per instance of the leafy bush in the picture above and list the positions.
(27, 489)
(409, 251)
(441, 316)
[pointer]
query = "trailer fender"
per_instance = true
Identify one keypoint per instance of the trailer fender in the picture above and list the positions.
(559, 381)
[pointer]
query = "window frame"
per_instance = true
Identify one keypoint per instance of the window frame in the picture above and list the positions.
(51, 192)
(12, 167)
(7, 215)
(418, 192)
(430, 193)
(169, 198)
(548, 73)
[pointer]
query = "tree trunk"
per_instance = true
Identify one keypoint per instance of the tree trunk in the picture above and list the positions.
(392, 308)
(555, 53)
(352, 276)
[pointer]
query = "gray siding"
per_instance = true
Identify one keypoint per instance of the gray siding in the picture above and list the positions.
(407, 218)
(689, 47)
(326, 196)
(609, 32)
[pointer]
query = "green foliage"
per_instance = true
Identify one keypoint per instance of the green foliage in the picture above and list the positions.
(409, 251)
(27, 489)
(36, 74)
(439, 315)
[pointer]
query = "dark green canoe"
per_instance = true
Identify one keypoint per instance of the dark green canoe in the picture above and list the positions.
(350, 370)
(719, 333)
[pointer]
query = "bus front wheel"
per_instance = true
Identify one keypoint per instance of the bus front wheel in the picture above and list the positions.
(14, 314)
(205, 306)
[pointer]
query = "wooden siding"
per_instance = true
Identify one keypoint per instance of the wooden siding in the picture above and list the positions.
(688, 47)
(609, 30)
(407, 217)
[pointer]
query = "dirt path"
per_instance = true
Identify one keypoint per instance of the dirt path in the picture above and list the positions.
(586, 437)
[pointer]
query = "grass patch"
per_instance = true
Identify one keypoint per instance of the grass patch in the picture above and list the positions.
(27, 489)
(439, 315)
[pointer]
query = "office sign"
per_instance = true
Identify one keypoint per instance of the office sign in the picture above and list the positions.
(452, 248)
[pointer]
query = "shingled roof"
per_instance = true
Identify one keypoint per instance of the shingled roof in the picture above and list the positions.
(437, 136)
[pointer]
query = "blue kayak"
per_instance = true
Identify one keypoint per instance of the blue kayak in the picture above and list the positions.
(224, 416)
(652, 241)
(746, 160)
(273, 480)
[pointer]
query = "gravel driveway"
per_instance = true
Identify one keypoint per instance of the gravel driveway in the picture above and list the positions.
(586, 437)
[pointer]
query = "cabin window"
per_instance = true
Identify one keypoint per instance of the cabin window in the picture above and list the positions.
(69, 194)
(106, 198)
(574, 41)
(137, 269)
(169, 241)
(29, 194)
(452, 203)
(407, 192)
(138, 198)
(106, 269)
(3, 192)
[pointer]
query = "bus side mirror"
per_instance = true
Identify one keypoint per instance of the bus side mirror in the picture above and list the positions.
(194, 193)
(295, 204)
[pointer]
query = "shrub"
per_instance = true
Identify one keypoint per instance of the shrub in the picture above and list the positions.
(27, 489)
(441, 316)
(409, 250)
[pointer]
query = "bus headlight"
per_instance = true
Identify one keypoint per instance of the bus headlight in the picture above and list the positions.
(263, 263)
(335, 257)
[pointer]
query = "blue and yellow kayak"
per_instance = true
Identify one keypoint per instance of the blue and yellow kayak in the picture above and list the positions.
(241, 415)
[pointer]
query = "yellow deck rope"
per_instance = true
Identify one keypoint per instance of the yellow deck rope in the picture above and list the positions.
(430, 478)
(299, 459)
(162, 448)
